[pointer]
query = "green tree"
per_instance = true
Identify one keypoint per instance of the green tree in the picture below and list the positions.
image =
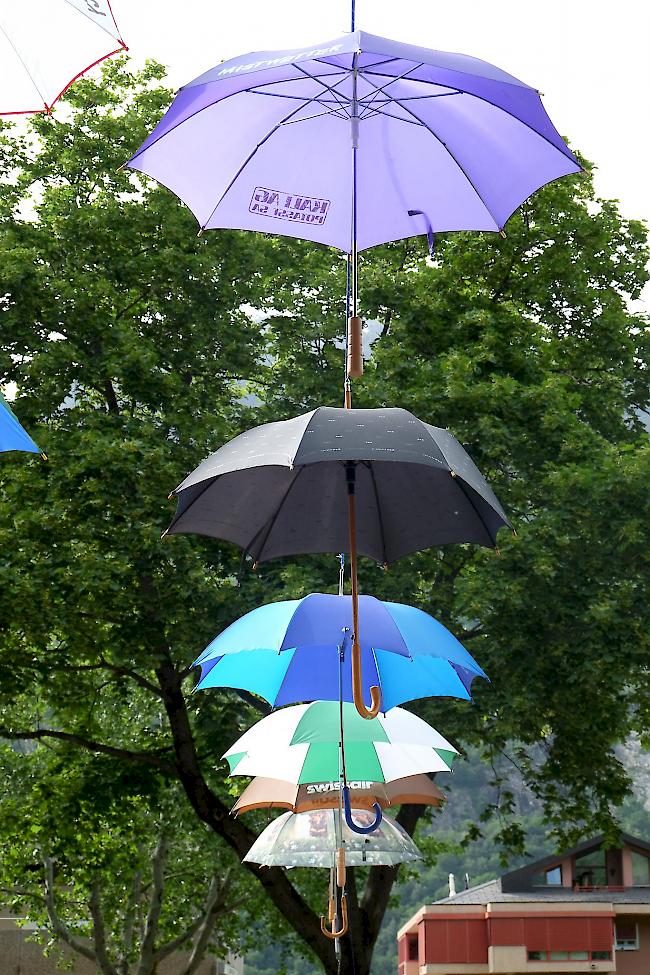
(135, 350)
(115, 867)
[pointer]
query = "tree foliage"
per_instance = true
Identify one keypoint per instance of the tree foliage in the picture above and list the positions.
(138, 347)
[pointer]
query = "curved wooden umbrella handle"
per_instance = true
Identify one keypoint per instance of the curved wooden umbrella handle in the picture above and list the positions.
(348, 815)
(333, 935)
(357, 688)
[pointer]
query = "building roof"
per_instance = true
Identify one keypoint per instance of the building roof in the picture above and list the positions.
(512, 879)
(492, 893)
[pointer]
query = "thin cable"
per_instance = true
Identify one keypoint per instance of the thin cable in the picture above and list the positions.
(353, 18)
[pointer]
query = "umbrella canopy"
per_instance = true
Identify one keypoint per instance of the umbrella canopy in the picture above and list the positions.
(301, 745)
(309, 839)
(290, 651)
(265, 793)
(357, 131)
(283, 488)
(12, 435)
(45, 45)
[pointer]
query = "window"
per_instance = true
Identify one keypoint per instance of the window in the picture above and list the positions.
(550, 878)
(590, 869)
(626, 936)
(413, 948)
(640, 871)
(569, 956)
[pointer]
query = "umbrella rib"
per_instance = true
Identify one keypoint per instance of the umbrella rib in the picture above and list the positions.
(379, 514)
(29, 74)
(461, 484)
(377, 107)
(332, 90)
(250, 156)
(272, 520)
(192, 115)
(453, 157)
(344, 72)
(310, 118)
(378, 89)
(500, 108)
(297, 98)
(98, 24)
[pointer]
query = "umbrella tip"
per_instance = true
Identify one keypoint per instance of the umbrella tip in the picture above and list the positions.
(170, 496)
(44, 456)
(497, 550)
(255, 565)
(503, 234)
(515, 533)
(385, 567)
(200, 233)
(453, 473)
(165, 533)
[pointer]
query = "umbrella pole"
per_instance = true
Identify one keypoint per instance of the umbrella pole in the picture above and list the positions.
(353, 344)
(357, 680)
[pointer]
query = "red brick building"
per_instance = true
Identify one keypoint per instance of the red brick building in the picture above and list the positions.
(585, 911)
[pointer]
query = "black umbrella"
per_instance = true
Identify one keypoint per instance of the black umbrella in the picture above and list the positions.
(289, 488)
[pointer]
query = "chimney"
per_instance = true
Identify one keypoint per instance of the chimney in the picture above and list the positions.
(452, 885)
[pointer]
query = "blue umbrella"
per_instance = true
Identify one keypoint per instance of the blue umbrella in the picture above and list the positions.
(290, 651)
(12, 435)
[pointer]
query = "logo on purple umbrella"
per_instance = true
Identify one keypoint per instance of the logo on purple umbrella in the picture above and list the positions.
(288, 206)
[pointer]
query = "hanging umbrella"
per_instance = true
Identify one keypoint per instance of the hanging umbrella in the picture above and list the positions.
(290, 651)
(301, 744)
(266, 793)
(309, 839)
(290, 487)
(353, 142)
(45, 45)
(12, 435)
(318, 839)
(327, 740)
(282, 488)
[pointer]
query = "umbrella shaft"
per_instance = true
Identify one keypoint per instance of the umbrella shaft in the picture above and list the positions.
(357, 680)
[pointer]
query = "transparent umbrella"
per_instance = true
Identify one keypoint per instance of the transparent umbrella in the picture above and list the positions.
(309, 839)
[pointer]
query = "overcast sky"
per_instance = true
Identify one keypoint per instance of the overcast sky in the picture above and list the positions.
(590, 58)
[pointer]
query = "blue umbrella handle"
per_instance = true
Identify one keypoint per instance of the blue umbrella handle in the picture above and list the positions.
(348, 815)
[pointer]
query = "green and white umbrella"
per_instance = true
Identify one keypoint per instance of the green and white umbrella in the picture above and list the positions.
(301, 744)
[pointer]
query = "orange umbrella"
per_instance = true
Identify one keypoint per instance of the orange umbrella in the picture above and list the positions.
(263, 793)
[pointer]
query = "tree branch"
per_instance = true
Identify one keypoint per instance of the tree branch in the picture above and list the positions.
(379, 885)
(129, 923)
(146, 758)
(147, 949)
(59, 928)
(99, 931)
(112, 668)
(216, 815)
(215, 902)
(255, 702)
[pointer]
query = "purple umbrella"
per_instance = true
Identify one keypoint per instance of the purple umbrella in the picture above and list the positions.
(354, 142)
